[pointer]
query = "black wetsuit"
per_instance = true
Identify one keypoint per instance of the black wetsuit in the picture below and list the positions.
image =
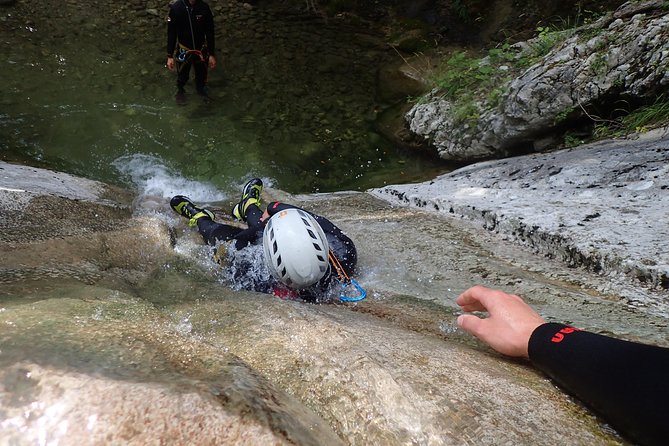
(340, 244)
(192, 27)
(625, 382)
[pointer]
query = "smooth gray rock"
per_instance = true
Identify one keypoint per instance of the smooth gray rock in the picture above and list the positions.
(602, 206)
(628, 56)
(172, 355)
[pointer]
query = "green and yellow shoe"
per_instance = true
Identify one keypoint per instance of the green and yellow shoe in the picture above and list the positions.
(182, 205)
(250, 195)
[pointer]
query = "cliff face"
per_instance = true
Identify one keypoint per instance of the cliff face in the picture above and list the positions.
(621, 58)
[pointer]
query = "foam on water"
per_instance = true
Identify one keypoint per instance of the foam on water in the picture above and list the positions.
(156, 182)
(152, 177)
(244, 269)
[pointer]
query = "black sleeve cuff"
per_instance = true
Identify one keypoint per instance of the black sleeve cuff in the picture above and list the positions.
(548, 332)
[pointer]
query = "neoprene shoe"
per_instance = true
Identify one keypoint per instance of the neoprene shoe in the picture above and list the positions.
(250, 195)
(182, 205)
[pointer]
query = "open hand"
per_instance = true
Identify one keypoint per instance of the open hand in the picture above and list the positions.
(509, 325)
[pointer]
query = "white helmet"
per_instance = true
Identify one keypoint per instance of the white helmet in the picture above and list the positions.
(296, 250)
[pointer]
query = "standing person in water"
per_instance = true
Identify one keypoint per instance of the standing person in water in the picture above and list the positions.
(191, 42)
(627, 383)
(303, 251)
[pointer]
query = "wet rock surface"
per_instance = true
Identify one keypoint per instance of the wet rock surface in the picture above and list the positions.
(111, 332)
(61, 226)
(178, 348)
(82, 360)
(600, 207)
(105, 367)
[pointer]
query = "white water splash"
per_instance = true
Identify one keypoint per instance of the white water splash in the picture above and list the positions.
(184, 326)
(153, 178)
(245, 269)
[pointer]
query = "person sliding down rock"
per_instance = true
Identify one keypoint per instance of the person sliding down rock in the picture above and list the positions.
(304, 252)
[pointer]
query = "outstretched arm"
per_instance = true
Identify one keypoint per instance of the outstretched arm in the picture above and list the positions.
(626, 383)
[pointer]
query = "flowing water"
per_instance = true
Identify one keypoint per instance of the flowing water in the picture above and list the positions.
(127, 338)
(113, 337)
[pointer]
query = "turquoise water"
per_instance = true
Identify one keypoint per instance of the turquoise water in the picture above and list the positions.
(292, 101)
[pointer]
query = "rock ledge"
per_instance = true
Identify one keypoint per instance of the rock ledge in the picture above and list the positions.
(602, 206)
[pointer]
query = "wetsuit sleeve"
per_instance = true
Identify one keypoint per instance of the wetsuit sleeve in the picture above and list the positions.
(171, 32)
(210, 32)
(626, 383)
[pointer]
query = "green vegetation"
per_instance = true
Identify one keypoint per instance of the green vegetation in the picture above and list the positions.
(495, 96)
(461, 77)
(466, 111)
(472, 81)
(563, 116)
(572, 140)
(476, 81)
(463, 73)
(640, 120)
(654, 115)
(547, 38)
(466, 79)
(599, 64)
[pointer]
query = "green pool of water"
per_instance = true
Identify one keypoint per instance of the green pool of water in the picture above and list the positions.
(293, 99)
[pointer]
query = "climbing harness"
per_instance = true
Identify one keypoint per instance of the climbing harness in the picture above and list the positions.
(186, 53)
(345, 280)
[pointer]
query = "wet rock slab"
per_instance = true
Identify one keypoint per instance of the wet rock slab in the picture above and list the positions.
(95, 366)
(82, 361)
(235, 367)
(601, 206)
(60, 226)
(175, 356)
